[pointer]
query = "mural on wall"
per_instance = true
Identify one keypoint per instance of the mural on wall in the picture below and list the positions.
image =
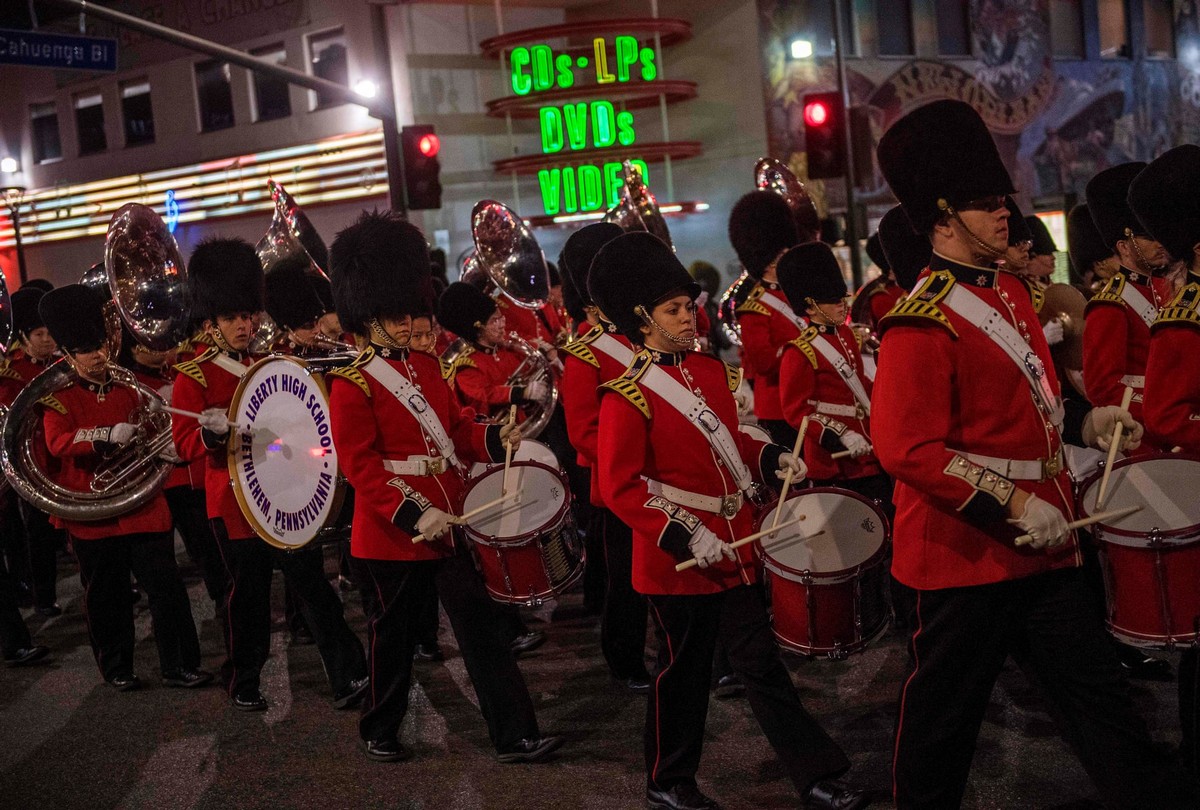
(1056, 122)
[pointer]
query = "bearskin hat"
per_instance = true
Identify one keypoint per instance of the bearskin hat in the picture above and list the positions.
(875, 253)
(464, 309)
(1043, 242)
(226, 277)
(26, 317)
(292, 299)
(761, 227)
(908, 252)
(1163, 198)
(1085, 246)
(579, 252)
(1107, 199)
(634, 270)
(811, 271)
(74, 314)
(1018, 231)
(379, 269)
(43, 284)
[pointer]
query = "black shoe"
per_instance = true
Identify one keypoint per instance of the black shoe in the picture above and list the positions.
(353, 694)
(428, 652)
(528, 642)
(345, 584)
(638, 683)
(680, 797)
(389, 750)
(1142, 667)
(531, 749)
(49, 611)
(249, 700)
(186, 678)
(125, 683)
(729, 686)
(830, 794)
(302, 637)
(27, 655)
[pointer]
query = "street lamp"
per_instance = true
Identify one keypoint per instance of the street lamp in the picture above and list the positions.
(12, 198)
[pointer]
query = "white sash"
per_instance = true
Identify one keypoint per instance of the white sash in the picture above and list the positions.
(1134, 299)
(775, 301)
(846, 371)
(993, 324)
(609, 346)
(224, 361)
(414, 401)
(703, 418)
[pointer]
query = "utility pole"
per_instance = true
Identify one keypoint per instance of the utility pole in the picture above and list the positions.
(839, 45)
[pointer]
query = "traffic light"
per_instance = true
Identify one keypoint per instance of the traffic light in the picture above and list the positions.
(824, 139)
(419, 145)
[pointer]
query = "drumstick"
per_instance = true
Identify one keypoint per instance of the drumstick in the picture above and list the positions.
(1112, 448)
(750, 538)
(456, 520)
(846, 453)
(508, 452)
(155, 405)
(787, 479)
(1115, 514)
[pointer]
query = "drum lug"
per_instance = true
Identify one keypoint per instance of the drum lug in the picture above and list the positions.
(810, 601)
(1160, 575)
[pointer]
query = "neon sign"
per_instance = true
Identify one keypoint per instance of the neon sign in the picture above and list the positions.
(172, 208)
(537, 68)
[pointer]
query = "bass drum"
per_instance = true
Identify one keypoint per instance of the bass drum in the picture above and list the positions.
(527, 450)
(756, 432)
(282, 462)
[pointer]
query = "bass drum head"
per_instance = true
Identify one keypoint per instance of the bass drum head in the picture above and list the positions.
(542, 498)
(756, 432)
(527, 450)
(282, 463)
(1164, 487)
(854, 532)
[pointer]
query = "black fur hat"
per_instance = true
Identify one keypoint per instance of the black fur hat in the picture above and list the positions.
(811, 271)
(941, 151)
(380, 268)
(875, 253)
(1043, 242)
(43, 284)
(464, 310)
(761, 226)
(1163, 197)
(1085, 247)
(1107, 199)
(908, 252)
(579, 252)
(292, 299)
(26, 317)
(74, 314)
(226, 277)
(1018, 231)
(637, 269)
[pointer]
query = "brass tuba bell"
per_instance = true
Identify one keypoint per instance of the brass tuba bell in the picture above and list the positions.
(509, 255)
(772, 175)
(637, 210)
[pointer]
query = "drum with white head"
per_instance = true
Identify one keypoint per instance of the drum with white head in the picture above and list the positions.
(527, 450)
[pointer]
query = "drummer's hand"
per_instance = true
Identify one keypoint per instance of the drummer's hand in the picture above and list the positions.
(707, 548)
(856, 443)
(1044, 523)
(1053, 330)
(1099, 423)
(793, 463)
(744, 397)
(215, 421)
(510, 434)
(433, 523)
(535, 391)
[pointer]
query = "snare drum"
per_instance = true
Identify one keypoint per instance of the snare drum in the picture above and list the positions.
(1151, 559)
(756, 432)
(527, 450)
(527, 548)
(827, 593)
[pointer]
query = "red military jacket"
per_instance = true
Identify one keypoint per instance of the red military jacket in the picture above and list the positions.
(1172, 406)
(1116, 340)
(765, 330)
(370, 426)
(642, 437)
(202, 384)
(525, 322)
(945, 389)
(189, 350)
(585, 369)
(11, 382)
(480, 377)
(27, 367)
(805, 377)
(160, 381)
(882, 298)
(77, 421)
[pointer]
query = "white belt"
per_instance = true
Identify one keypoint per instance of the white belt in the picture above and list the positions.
(1134, 380)
(729, 505)
(833, 409)
(417, 465)
(1038, 469)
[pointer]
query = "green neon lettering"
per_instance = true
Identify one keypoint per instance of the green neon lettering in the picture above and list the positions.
(543, 67)
(625, 134)
(575, 116)
(612, 182)
(640, 165)
(591, 193)
(626, 55)
(602, 74)
(552, 129)
(566, 76)
(603, 124)
(649, 69)
(570, 194)
(550, 180)
(519, 60)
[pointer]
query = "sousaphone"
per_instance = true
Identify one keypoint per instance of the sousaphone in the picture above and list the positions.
(637, 210)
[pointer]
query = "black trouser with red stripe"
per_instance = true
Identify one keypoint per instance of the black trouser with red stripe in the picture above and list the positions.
(688, 628)
(401, 589)
(623, 623)
(104, 568)
(961, 639)
(42, 541)
(14, 635)
(189, 511)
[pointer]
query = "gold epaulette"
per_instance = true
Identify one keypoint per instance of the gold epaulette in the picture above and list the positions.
(8, 372)
(446, 368)
(590, 335)
(461, 360)
(804, 344)
(733, 376)
(191, 368)
(1181, 310)
(631, 391)
(581, 351)
(351, 372)
(51, 402)
(1036, 296)
(921, 304)
(752, 304)
(1111, 294)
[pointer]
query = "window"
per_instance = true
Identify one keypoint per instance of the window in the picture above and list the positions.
(135, 109)
(89, 122)
(953, 28)
(327, 52)
(43, 123)
(1160, 33)
(271, 99)
(215, 94)
(1066, 28)
(893, 20)
(1114, 29)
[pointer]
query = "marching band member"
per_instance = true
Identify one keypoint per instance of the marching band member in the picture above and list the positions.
(680, 485)
(85, 423)
(880, 294)
(965, 421)
(227, 288)
(761, 228)
(1093, 262)
(598, 355)
(1041, 250)
(907, 251)
(399, 432)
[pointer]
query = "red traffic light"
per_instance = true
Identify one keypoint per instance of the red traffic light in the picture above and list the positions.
(816, 113)
(429, 145)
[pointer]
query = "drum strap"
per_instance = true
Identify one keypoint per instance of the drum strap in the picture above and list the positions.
(705, 420)
(414, 402)
(773, 300)
(989, 321)
(846, 371)
(227, 363)
(608, 345)
(1134, 299)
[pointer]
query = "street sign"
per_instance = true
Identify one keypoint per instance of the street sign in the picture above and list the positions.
(38, 49)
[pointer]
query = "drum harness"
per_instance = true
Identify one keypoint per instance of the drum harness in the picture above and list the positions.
(414, 401)
(1147, 311)
(846, 371)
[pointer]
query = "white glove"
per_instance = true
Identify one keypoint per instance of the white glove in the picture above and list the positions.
(170, 454)
(1043, 522)
(1099, 423)
(707, 548)
(744, 397)
(535, 390)
(1053, 330)
(433, 523)
(122, 433)
(214, 420)
(511, 434)
(856, 443)
(789, 462)
(166, 391)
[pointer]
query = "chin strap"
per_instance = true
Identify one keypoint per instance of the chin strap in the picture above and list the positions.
(1143, 265)
(219, 340)
(982, 249)
(379, 335)
(676, 339)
